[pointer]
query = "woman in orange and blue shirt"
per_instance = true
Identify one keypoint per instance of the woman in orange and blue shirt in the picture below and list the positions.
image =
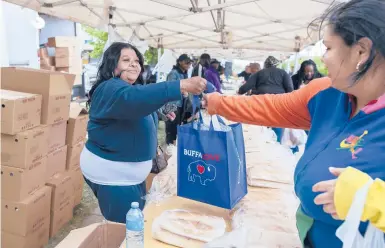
(346, 118)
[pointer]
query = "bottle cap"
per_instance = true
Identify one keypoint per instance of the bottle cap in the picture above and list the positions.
(135, 205)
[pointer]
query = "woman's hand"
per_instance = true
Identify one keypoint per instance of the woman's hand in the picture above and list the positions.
(194, 85)
(204, 102)
(327, 197)
(171, 116)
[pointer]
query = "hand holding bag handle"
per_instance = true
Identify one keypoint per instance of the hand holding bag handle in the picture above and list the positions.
(349, 232)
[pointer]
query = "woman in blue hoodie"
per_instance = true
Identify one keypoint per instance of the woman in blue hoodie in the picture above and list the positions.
(122, 130)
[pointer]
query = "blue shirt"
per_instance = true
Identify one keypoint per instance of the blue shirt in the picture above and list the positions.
(336, 139)
(123, 123)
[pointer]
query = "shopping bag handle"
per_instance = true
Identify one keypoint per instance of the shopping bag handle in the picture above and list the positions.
(348, 231)
(218, 119)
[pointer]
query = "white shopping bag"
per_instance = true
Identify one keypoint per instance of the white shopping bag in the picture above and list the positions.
(348, 232)
(293, 137)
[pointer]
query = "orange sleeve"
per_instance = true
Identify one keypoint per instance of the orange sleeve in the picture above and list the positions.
(283, 110)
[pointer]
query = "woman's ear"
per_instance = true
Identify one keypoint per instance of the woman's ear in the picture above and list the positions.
(364, 48)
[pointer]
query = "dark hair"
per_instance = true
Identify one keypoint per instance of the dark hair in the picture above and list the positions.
(271, 61)
(205, 59)
(301, 71)
(355, 20)
(109, 63)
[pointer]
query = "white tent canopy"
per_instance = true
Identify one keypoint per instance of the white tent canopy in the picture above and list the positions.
(238, 26)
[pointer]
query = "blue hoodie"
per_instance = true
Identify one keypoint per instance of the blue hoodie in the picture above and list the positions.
(336, 139)
(122, 125)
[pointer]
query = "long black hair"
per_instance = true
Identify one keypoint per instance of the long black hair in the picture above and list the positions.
(109, 63)
(205, 60)
(301, 71)
(355, 20)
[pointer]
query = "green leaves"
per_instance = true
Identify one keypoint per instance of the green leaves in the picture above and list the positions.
(99, 40)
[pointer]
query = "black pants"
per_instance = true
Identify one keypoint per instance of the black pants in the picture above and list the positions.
(171, 131)
(172, 127)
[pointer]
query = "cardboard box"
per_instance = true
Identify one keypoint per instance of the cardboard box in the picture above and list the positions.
(25, 148)
(61, 216)
(62, 190)
(65, 52)
(43, 52)
(19, 111)
(96, 235)
(77, 124)
(63, 41)
(78, 184)
(55, 88)
(24, 217)
(77, 179)
(77, 70)
(149, 180)
(78, 195)
(17, 184)
(73, 156)
(64, 61)
(57, 136)
(38, 238)
(56, 162)
(47, 67)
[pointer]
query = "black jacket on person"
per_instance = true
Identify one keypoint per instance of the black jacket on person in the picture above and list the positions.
(245, 75)
(195, 71)
(268, 81)
(297, 81)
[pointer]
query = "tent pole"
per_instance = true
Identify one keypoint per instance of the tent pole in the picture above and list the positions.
(159, 55)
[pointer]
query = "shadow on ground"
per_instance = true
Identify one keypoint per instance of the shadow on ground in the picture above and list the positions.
(88, 211)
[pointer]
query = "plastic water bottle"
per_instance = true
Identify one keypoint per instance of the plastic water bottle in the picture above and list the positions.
(135, 227)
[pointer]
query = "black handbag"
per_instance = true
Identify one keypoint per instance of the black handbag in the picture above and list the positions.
(159, 163)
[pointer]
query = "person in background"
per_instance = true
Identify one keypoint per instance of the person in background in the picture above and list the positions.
(346, 117)
(254, 68)
(307, 72)
(122, 129)
(202, 66)
(246, 73)
(212, 75)
(178, 72)
(221, 72)
(269, 80)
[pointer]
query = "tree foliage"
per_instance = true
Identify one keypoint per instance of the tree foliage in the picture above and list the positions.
(100, 39)
(317, 60)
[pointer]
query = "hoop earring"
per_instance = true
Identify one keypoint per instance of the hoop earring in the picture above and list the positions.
(358, 66)
(113, 75)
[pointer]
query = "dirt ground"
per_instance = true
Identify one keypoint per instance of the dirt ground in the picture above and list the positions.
(88, 211)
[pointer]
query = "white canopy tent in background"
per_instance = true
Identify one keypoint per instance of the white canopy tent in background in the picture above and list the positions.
(227, 28)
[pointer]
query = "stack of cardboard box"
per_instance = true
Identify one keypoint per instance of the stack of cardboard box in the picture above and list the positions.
(33, 155)
(46, 62)
(67, 56)
(76, 136)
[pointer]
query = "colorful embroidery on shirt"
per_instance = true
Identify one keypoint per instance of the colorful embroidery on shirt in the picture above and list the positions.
(353, 144)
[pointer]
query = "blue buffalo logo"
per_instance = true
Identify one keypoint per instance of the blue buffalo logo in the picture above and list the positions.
(205, 172)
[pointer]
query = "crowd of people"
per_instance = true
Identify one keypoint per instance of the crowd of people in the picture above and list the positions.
(343, 113)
